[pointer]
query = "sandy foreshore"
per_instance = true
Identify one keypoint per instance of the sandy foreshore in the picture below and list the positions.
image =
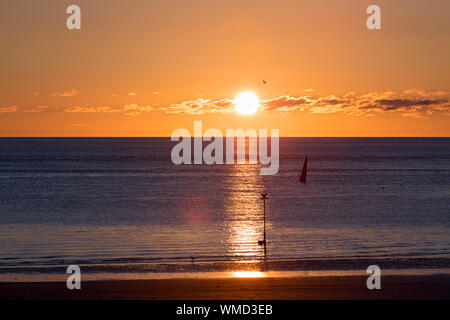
(314, 288)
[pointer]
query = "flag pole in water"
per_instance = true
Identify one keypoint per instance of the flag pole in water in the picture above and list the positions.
(264, 198)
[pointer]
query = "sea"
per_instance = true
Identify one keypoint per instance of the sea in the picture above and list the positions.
(119, 208)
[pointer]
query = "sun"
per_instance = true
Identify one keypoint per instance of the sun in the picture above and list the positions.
(246, 103)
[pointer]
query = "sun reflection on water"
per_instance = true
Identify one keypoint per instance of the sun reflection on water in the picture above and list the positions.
(249, 274)
(244, 212)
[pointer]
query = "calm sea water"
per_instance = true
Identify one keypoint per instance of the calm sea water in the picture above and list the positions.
(122, 201)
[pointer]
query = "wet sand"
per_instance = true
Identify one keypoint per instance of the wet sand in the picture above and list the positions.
(307, 288)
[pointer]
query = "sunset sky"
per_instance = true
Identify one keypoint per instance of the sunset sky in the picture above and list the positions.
(146, 68)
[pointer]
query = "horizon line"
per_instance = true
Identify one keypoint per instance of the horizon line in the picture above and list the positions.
(168, 137)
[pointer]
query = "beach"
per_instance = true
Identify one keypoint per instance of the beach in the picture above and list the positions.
(393, 287)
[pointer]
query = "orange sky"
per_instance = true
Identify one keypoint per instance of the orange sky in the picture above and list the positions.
(146, 68)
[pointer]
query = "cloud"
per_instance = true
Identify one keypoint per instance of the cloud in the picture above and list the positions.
(10, 109)
(286, 103)
(135, 110)
(411, 103)
(131, 94)
(200, 106)
(69, 93)
(36, 93)
(394, 104)
(129, 109)
(37, 109)
(89, 109)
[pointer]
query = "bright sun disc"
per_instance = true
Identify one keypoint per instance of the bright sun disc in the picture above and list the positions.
(246, 103)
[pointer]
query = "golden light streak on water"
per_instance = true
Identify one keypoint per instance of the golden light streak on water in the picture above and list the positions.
(244, 210)
(249, 274)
